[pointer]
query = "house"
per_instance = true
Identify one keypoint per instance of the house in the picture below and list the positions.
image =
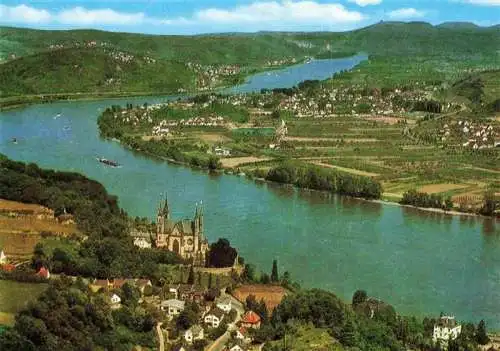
(214, 317)
(44, 273)
(219, 151)
(173, 290)
(194, 333)
(99, 284)
(235, 346)
(118, 282)
(173, 306)
(243, 335)
(142, 243)
(114, 301)
(446, 329)
(66, 219)
(224, 303)
(8, 267)
(250, 320)
(142, 284)
(3, 258)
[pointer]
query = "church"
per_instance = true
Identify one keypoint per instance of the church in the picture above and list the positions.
(184, 237)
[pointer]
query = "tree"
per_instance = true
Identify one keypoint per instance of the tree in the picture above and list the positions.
(188, 317)
(481, 335)
(274, 273)
(249, 273)
(264, 278)
(359, 297)
(348, 336)
(222, 254)
(130, 294)
(489, 204)
(191, 276)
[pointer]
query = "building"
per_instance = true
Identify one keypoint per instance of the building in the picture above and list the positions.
(194, 333)
(142, 239)
(214, 317)
(243, 335)
(235, 346)
(44, 273)
(3, 258)
(250, 320)
(142, 243)
(446, 329)
(115, 301)
(224, 303)
(99, 284)
(141, 284)
(173, 307)
(184, 237)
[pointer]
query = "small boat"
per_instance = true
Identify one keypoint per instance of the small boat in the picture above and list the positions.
(108, 162)
(14, 140)
(57, 116)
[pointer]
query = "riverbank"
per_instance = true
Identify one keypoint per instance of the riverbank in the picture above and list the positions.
(232, 171)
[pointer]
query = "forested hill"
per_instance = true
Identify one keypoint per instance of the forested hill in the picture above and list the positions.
(91, 61)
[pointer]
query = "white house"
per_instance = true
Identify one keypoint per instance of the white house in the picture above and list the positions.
(236, 346)
(3, 258)
(224, 303)
(243, 335)
(142, 243)
(115, 301)
(173, 306)
(194, 333)
(446, 329)
(214, 317)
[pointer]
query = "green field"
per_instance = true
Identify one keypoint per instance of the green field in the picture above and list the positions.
(15, 296)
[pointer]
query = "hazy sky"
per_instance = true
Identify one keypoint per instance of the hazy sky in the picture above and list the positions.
(202, 16)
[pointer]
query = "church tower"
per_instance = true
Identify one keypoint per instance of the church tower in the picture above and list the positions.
(160, 220)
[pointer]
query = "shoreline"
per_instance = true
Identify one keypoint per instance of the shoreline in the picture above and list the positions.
(28, 100)
(233, 172)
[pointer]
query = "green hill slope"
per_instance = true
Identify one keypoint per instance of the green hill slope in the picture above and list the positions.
(91, 70)
(37, 61)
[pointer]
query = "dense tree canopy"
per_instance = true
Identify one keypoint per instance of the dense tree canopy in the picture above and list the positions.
(317, 178)
(222, 254)
(68, 317)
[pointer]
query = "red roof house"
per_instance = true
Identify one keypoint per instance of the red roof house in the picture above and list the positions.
(250, 320)
(44, 273)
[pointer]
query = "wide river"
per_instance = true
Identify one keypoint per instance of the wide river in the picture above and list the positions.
(423, 263)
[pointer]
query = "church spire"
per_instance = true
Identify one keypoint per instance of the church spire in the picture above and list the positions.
(166, 209)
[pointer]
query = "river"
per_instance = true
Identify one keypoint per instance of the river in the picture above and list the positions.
(422, 263)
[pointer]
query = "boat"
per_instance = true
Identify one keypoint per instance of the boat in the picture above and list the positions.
(108, 162)
(14, 140)
(57, 116)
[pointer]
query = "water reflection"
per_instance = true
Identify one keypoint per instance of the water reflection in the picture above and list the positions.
(491, 227)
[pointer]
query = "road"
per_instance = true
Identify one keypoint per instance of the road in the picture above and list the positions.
(161, 342)
(220, 343)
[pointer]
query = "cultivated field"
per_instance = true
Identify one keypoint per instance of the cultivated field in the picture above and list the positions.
(272, 294)
(21, 226)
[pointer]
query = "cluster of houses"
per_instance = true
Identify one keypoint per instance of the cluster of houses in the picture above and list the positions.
(478, 135)
(107, 286)
(446, 329)
(325, 102)
(210, 121)
(212, 315)
(115, 54)
(211, 75)
(282, 62)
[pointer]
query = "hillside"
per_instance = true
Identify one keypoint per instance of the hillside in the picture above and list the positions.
(91, 61)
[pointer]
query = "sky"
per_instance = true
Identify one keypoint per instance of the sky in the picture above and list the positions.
(213, 16)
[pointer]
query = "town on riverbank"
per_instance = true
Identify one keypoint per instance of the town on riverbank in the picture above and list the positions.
(161, 285)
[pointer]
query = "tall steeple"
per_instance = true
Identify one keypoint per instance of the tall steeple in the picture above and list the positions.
(200, 219)
(166, 209)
